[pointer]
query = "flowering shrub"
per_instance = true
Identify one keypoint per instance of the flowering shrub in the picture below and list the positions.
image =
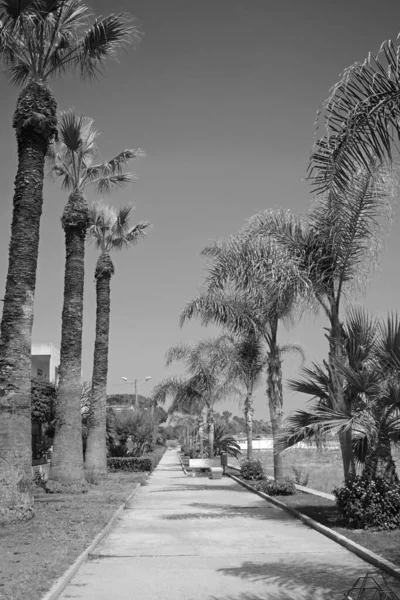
(365, 503)
(284, 487)
(252, 469)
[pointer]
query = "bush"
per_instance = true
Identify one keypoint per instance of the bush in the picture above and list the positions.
(252, 469)
(285, 487)
(298, 477)
(369, 503)
(132, 464)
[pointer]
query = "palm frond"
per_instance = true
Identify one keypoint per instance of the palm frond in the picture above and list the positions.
(315, 383)
(230, 311)
(361, 120)
(105, 185)
(292, 348)
(102, 40)
(115, 165)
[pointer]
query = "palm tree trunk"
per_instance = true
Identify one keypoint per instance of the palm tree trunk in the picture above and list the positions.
(201, 433)
(96, 449)
(35, 123)
(275, 396)
(379, 460)
(67, 460)
(248, 413)
(211, 425)
(337, 354)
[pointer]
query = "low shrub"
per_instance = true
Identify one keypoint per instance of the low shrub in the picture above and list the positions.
(369, 503)
(135, 464)
(252, 469)
(285, 487)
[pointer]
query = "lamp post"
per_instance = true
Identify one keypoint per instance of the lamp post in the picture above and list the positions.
(136, 383)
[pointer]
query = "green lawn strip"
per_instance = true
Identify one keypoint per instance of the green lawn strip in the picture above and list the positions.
(383, 543)
(34, 554)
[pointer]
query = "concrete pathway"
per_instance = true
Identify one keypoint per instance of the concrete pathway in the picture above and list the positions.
(186, 538)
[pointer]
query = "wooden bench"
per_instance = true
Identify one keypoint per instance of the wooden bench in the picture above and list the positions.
(211, 465)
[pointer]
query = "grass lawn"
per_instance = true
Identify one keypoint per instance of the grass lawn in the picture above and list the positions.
(324, 467)
(35, 553)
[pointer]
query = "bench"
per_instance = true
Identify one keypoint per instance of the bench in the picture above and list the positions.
(211, 465)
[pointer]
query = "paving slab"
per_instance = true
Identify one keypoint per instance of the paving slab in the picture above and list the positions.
(192, 538)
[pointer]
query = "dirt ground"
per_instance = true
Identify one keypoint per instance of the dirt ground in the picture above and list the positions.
(34, 554)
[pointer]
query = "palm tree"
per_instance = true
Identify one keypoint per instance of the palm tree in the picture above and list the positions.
(109, 229)
(72, 160)
(372, 389)
(208, 380)
(39, 40)
(334, 249)
(247, 364)
(253, 284)
(187, 403)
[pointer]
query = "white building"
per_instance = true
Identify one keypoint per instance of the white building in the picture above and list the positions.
(45, 362)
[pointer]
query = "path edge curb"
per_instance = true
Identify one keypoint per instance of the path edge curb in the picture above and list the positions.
(360, 551)
(61, 583)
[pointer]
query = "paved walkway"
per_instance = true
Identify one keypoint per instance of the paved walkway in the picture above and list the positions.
(186, 538)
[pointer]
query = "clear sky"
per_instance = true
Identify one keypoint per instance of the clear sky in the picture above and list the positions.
(222, 95)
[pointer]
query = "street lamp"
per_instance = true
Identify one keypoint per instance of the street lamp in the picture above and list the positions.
(136, 383)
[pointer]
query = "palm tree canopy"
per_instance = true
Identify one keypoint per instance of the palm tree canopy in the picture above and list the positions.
(111, 229)
(361, 121)
(337, 246)
(258, 268)
(72, 157)
(40, 39)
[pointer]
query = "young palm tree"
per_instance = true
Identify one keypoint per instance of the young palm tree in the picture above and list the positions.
(251, 286)
(72, 160)
(187, 402)
(208, 380)
(247, 364)
(335, 250)
(372, 390)
(39, 40)
(109, 229)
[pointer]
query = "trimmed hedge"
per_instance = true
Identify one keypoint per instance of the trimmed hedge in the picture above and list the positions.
(252, 469)
(130, 463)
(136, 464)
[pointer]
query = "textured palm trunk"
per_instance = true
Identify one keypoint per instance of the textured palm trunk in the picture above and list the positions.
(211, 426)
(275, 396)
(35, 124)
(379, 460)
(248, 414)
(96, 449)
(67, 460)
(336, 354)
(201, 433)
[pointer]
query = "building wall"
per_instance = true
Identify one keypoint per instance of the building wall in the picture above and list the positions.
(45, 362)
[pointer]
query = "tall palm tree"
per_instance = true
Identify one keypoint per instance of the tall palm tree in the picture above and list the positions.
(109, 229)
(208, 380)
(251, 285)
(372, 388)
(72, 160)
(334, 249)
(39, 40)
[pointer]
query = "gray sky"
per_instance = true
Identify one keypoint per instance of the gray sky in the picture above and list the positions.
(222, 96)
